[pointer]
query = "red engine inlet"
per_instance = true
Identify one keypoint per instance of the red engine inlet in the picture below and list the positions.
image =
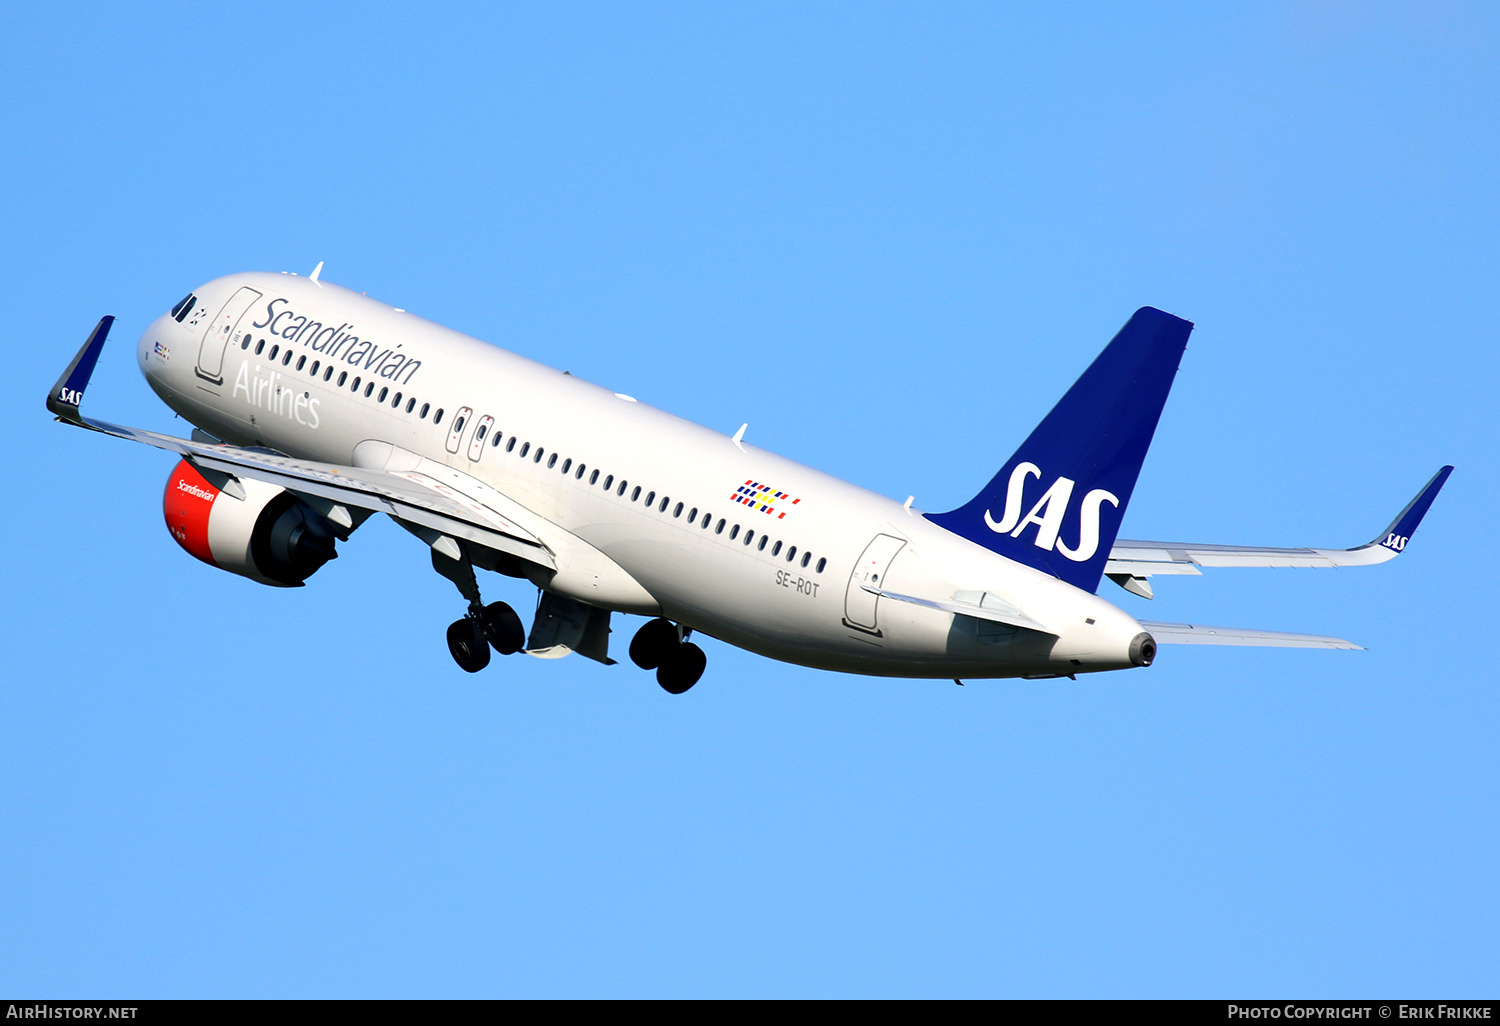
(188, 501)
(254, 529)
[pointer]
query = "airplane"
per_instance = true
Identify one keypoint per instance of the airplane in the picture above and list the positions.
(315, 407)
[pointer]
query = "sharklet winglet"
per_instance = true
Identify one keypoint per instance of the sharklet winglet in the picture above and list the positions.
(67, 394)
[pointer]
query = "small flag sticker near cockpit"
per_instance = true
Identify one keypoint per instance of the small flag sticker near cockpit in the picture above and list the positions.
(763, 498)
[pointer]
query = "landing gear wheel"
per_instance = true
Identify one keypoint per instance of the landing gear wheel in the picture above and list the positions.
(467, 643)
(653, 644)
(682, 668)
(503, 628)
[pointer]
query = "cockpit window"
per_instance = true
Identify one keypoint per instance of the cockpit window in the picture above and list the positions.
(185, 307)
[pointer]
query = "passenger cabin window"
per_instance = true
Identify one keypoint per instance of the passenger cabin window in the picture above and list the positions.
(344, 376)
(476, 447)
(791, 553)
(245, 342)
(456, 432)
(437, 418)
(749, 537)
(317, 366)
(762, 546)
(383, 393)
(510, 446)
(396, 402)
(776, 549)
(635, 494)
(369, 388)
(566, 464)
(328, 373)
(495, 441)
(301, 362)
(822, 562)
(354, 385)
(274, 350)
(261, 345)
(425, 406)
(678, 511)
(578, 474)
(734, 532)
(708, 518)
(624, 484)
(693, 516)
(665, 502)
(525, 449)
(650, 498)
(286, 361)
(540, 452)
(720, 528)
(594, 478)
(806, 558)
(552, 462)
(411, 404)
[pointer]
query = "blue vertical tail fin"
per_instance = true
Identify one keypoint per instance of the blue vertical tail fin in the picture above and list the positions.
(1057, 503)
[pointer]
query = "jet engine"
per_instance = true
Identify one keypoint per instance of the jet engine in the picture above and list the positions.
(248, 527)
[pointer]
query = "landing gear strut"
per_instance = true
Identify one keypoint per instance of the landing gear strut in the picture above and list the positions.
(484, 626)
(663, 647)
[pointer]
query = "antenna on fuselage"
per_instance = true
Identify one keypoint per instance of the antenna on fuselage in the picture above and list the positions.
(314, 276)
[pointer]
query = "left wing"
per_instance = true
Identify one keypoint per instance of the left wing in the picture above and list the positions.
(439, 503)
(1131, 563)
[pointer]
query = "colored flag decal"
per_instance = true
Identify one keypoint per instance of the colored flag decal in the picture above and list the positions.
(763, 498)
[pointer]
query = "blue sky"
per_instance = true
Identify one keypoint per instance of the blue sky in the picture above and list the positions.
(888, 237)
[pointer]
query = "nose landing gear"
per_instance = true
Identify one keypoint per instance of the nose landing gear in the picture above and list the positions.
(485, 626)
(663, 647)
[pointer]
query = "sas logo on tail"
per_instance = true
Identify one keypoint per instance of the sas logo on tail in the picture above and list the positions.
(1048, 511)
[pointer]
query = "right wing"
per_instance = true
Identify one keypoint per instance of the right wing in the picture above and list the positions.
(1132, 562)
(434, 499)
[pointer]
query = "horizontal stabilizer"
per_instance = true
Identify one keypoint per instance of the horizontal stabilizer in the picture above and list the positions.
(1199, 634)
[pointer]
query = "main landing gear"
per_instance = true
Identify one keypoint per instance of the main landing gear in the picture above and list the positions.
(484, 626)
(663, 647)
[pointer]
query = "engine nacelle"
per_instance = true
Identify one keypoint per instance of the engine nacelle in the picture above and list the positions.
(269, 535)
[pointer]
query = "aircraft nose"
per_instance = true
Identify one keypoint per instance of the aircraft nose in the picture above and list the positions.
(155, 352)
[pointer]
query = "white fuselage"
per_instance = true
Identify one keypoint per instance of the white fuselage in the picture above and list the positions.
(795, 592)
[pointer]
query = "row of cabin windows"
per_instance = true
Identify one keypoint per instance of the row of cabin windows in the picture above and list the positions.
(327, 370)
(747, 537)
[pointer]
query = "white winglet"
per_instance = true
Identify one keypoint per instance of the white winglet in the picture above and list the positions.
(316, 271)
